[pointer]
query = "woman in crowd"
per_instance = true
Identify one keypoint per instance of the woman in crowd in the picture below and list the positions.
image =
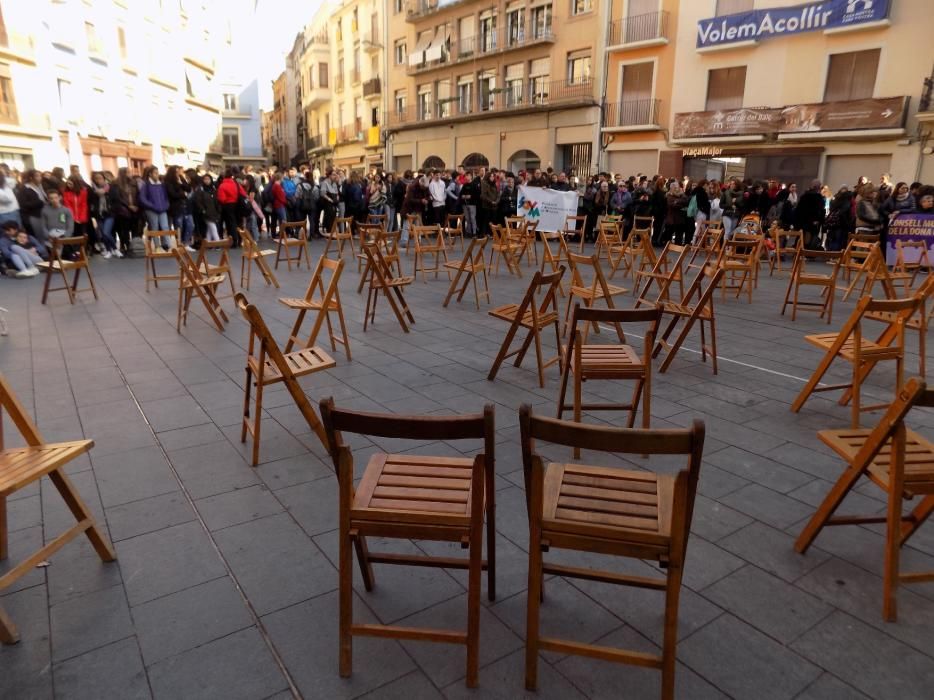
(489, 204)
(470, 196)
(9, 205)
(155, 203)
(376, 196)
(32, 198)
(868, 219)
(700, 203)
(123, 204)
(204, 206)
(676, 221)
(839, 222)
(99, 205)
(75, 198)
(900, 201)
(229, 193)
(178, 190)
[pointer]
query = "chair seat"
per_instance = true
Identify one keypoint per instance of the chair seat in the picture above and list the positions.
(468, 267)
(508, 313)
(671, 307)
(608, 503)
(415, 489)
(58, 264)
(608, 361)
(810, 278)
(394, 282)
(259, 253)
(590, 293)
(206, 281)
(919, 457)
(339, 236)
(301, 362)
(867, 348)
(291, 242)
(20, 466)
(299, 304)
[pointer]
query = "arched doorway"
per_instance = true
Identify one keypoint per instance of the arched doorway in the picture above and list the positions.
(433, 163)
(524, 160)
(476, 160)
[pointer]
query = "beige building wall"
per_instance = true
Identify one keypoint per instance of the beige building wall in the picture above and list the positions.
(317, 87)
(514, 124)
(793, 70)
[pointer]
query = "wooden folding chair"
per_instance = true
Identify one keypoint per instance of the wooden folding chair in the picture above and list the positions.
(267, 365)
(193, 283)
(222, 266)
(786, 243)
(707, 246)
(597, 289)
(610, 511)
(411, 220)
(506, 249)
(328, 301)
(668, 269)
(517, 227)
(609, 361)
(366, 233)
(388, 243)
(405, 496)
(574, 227)
(340, 235)
(251, 255)
(643, 222)
(639, 253)
(380, 220)
(825, 281)
(287, 243)
(849, 344)
(153, 251)
(454, 228)
(857, 262)
(911, 257)
(534, 317)
(878, 271)
(469, 267)
(58, 266)
(739, 261)
(916, 322)
(429, 242)
(610, 241)
(901, 463)
(382, 280)
(22, 466)
(695, 306)
(750, 224)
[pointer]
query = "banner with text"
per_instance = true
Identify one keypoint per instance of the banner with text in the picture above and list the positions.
(767, 23)
(910, 227)
(550, 208)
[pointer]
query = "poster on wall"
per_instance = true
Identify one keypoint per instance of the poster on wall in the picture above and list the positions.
(910, 227)
(550, 208)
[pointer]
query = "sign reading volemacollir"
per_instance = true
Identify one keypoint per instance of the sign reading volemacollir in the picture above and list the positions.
(757, 25)
(882, 113)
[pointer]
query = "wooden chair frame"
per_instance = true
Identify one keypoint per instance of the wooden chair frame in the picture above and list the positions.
(858, 259)
(286, 243)
(904, 266)
(328, 302)
(253, 254)
(574, 226)
(522, 232)
(22, 466)
(266, 365)
(598, 289)
(692, 310)
(454, 228)
(433, 245)
(57, 265)
(786, 243)
(340, 235)
(901, 463)
(414, 497)
(549, 256)
(739, 260)
(222, 267)
(533, 318)
(193, 283)
(470, 267)
(664, 274)
(800, 277)
(649, 518)
(382, 280)
(863, 354)
(507, 250)
(152, 247)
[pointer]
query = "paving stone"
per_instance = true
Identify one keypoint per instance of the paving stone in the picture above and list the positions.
(411, 687)
(187, 619)
(166, 561)
(759, 666)
(76, 570)
(754, 468)
(88, 622)
(292, 471)
(175, 412)
(773, 551)
(767, 506)
(133, 476)
(148, 515)
(505, 680)
(235, 507)
(314, 505)
(712, 520)
(237, 666)
(112, 671)
(27, 664)
(828, 687)
(191, 436)
(207, 470)
(706, 562)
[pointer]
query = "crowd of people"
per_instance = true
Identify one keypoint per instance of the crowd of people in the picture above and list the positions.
(36, 207)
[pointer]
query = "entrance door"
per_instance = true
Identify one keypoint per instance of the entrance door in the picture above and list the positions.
(635, 107)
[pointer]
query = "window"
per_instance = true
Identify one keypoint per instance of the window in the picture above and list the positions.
(578, 68)
(121, 41)
(7, 101)
(515, 31)
(356, 65)
(465, 95)
(64, 96)
(424, 102)
(444, 98)
(4, 40)
(576, 159)
(851, 76)
(732, 7)
(636, 101)
(231, 145)
(399, 101)
(579, 7)
(400, 53)
(230, 102)
(539, 76)
(725, 88)
(541, 21)
(339, 34)
(322, 75)
(354, 23)
(488, 33)
(513, 85)
(486, 84)
(397, 6)
(95, 47)
(340, 73)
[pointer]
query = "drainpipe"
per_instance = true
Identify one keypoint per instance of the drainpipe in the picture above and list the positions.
(602, 42)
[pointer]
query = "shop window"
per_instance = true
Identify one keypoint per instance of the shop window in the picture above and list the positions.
(732, 7)
(851, 76)
(725, 88)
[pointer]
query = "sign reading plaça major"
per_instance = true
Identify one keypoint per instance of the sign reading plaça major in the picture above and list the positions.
(757, 25)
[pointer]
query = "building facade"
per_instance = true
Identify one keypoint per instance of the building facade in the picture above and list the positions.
(294, 114)
(799, 92)
(241, 131)
(109, 84)
(514, 84)
(280, 127)
(316, 89)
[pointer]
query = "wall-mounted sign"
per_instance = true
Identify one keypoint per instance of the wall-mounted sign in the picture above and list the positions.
(703, 152)
(757, 25)
(884, 113)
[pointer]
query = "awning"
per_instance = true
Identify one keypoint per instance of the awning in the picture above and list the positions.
(353, 160)
(438, 45)
(418, 55)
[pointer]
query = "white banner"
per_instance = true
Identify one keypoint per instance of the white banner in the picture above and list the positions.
(550, 208)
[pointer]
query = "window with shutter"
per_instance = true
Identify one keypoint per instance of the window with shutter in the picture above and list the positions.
(732, 7)
(851, 76)
(725, 88)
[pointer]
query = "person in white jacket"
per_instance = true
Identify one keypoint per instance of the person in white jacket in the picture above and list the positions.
(9, 206)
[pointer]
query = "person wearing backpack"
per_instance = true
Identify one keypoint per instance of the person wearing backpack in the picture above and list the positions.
(306, 205)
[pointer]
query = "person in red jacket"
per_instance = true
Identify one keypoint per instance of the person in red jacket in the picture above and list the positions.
(279, 201)
(229, 192)
(75, 199)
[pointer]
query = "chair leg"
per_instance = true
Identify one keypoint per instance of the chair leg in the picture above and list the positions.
(81, 513)
(8, 631)
(257, 422)
(827, 508)
(363, 561)
(345, 585)
(4, 538)
(893, 526)
(670, 638)
(475, 574)
(533, 608)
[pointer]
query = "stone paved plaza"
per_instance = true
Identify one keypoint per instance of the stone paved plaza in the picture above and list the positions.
(225, 584)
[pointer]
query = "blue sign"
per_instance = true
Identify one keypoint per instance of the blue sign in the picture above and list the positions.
(757, 25)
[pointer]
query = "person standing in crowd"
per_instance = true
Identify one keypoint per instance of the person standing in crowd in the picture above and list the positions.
(924, 198)
(415, 202)
(470, 196)
(204, 207)
(452, 195)
(868, 219)
(508, 200)
(676, 222)
(489, 204)
(99, 205)
(330, 197)
(699, 202)
(884, 190)
(839, 222)
(659, 210)
(436, 193)
(389, 208)
(155, 203)
(75, 199)
(730, 200)
(123, 203)
(355, 205)
(809, 215)
(9, 205)
(377, 197)
(288, 186)
(901, 201)
(31, 197)
(307, 194)
(601, 205)
(178, 191)
(229, 194)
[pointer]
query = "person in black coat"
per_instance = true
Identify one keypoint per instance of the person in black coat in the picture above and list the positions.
(809, 215)
(659, 200)
(702, 202)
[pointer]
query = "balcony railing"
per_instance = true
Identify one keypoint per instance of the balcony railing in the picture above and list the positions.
(347, 134)
(416, 9)
(339, 83)
(371, 41)
(372, 87)
(638, 29)
(18, 47)
(555, 92)
(314, 142)
(458, 50)
(632, 113)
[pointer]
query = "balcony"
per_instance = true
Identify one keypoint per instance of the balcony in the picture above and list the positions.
(371, 42)
(632, 115)
(348, 134)
(417, 9)
(639, 31)
(501, 101)
(372, 88)
(316, 97)
(17, 47)
(456, 51)
(318, 42)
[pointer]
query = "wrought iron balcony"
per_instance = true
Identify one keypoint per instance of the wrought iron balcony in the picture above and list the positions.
(459, 50)
(372, 87)
(638, 30)
(632, 113)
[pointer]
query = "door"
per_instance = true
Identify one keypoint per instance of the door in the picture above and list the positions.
(636, 103)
